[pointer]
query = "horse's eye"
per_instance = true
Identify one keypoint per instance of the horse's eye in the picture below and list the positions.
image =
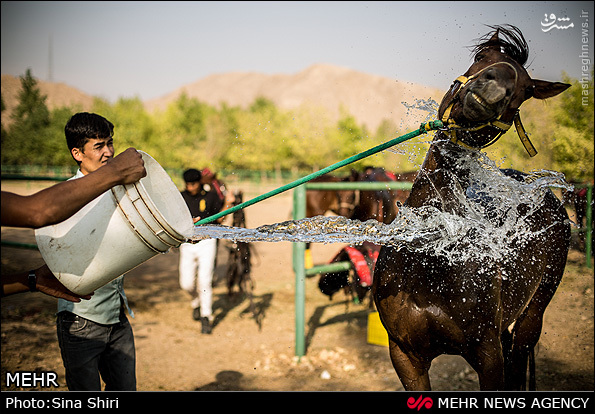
(478, 57)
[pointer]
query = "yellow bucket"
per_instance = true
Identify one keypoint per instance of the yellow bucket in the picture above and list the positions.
(376, 333)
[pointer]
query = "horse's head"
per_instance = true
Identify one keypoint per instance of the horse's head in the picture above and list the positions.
(484, 102)
(347, 198)
(239, 218)
(238, 197)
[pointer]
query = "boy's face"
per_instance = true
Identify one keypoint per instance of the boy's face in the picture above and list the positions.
(193, 187)
(94, 154)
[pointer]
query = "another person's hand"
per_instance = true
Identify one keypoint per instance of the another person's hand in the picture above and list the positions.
(48, 283)
(128, 166)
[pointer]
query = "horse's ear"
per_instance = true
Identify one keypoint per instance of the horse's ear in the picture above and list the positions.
(545, 89)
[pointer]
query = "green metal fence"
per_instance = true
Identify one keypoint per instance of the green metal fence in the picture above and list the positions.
(299, 212)
(299, 248)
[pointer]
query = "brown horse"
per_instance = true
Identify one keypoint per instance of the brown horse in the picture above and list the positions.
(381, 205)
(489, 311)
(240, 254)
(340, 202)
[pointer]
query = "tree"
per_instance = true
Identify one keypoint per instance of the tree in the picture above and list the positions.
(133, 127)
(180, 133)
(25, 141)
(4, 133)
(573, 132)
(404, 157)
(55, 148)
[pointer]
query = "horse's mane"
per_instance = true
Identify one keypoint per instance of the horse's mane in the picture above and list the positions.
(510, 40)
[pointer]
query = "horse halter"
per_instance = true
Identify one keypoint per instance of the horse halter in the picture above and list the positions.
(346, 205)
(451, 126)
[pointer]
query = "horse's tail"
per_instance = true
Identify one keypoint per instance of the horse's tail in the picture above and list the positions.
(532, 382)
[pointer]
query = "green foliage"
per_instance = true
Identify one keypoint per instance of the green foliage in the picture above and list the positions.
(132, 124)
(29, 134)
(180, 137)
(189, 133)
(55, 149)
(573, 132)
(31, 111)
(3, 132)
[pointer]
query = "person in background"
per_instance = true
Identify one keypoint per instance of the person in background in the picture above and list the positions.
(95, 337)
(55, 204)
(210, 182)
(197, 261)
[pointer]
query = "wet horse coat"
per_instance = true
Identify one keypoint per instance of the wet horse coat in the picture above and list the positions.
(489, 311)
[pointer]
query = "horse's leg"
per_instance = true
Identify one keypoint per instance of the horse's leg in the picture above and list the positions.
(232, 270)
(248, 289)
(487, 360)
(525, 335)
(412, 372)
(532, 379)
(527, 328)
(506, 341)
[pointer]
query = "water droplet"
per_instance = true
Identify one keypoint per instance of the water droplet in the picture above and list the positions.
(497, 210)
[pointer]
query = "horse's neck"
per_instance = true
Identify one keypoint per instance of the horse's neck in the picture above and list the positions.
(443, 155)
(440, 177)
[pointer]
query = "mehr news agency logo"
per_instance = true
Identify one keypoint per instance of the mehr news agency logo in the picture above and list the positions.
(422, 402)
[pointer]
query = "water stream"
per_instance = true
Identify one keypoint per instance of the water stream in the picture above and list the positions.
(492, 202)
(491, 222)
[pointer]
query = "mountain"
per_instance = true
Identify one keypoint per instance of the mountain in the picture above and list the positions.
(369, 98)
(58, 94)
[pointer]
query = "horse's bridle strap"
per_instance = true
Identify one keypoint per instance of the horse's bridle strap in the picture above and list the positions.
(524, 137)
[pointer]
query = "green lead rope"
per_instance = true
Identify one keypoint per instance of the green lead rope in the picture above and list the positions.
(430, 126)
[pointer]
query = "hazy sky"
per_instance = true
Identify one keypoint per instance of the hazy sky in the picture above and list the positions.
(148, 49)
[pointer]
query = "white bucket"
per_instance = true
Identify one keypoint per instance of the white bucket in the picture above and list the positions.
(117, 231)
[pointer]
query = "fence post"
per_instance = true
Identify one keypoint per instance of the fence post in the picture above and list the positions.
(299, 249)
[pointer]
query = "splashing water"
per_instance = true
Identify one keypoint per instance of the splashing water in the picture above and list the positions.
(426, 105)
(492, 204)
(412, 149)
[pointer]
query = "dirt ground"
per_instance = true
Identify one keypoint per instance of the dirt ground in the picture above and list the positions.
(243, 354)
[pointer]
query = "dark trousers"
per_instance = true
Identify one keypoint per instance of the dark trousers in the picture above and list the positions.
(90, 350)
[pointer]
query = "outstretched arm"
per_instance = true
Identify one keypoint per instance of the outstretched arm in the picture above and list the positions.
(58, 202)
